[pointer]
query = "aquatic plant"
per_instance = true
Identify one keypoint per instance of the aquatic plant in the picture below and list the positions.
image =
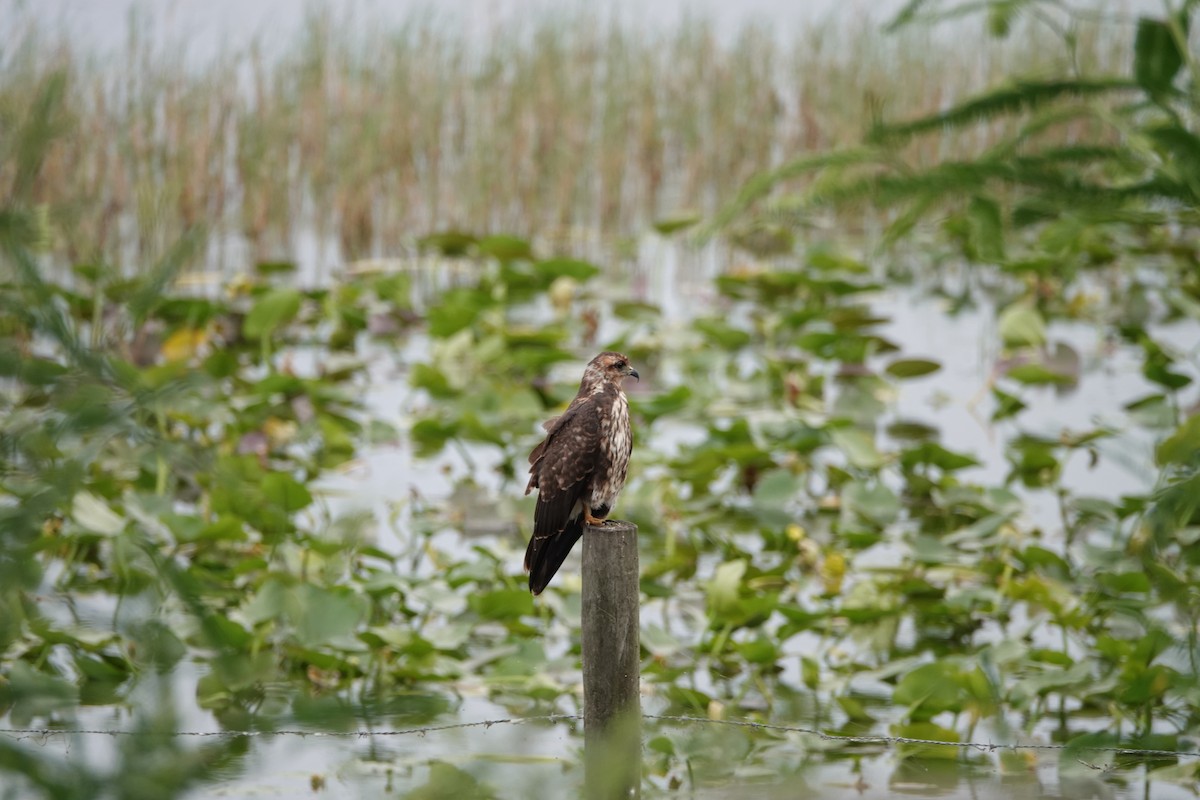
(565, 126)
(818, 550)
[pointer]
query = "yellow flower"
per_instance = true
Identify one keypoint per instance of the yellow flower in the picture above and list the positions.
(184, 343)
(832, 573)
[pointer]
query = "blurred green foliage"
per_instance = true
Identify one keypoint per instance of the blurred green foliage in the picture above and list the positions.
(809, 554)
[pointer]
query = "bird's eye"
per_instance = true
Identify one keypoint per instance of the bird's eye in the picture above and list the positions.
(619, 364)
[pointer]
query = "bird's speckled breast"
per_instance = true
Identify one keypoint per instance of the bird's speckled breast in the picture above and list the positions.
(616, 439)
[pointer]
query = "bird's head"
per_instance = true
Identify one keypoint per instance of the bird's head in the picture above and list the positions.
(608, 368)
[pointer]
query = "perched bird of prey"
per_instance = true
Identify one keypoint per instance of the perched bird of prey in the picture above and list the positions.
(579, 468)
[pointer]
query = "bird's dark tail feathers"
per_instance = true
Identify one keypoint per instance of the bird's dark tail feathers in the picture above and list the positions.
(544, 556)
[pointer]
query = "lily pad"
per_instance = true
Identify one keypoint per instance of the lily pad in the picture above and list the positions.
(271, 311)
(912, 368)
(1022, 325)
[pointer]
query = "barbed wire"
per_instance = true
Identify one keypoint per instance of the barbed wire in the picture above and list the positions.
(866, 739)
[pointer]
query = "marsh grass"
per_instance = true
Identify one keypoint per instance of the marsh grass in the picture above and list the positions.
(366, 136)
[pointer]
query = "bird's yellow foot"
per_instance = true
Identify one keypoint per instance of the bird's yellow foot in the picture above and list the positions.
(590, 520)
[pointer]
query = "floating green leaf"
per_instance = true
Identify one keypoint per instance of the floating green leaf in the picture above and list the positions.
(874, 503)
(275, 267)
(722, 333)
(1007, 405)
(676, 222)
(858, 446)
(776, 488)
(1021, 325)
(663, 404)
(502, 604)
(567, 267)
(457, 310)
(505, 248)
(1037, 374)
(31, 694)
(929, 732)
(285, 491)
(725, 587)
(929, 690)
(273, 310)
(451, 243)
(912, 367)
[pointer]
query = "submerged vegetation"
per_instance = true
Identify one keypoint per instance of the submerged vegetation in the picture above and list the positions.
(820, 547)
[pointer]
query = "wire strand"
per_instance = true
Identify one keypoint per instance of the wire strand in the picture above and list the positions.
(886, 741)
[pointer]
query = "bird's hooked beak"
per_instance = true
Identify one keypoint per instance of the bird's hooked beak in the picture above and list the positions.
(633, 373)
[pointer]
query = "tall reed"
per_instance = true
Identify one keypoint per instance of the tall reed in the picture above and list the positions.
(564, 124)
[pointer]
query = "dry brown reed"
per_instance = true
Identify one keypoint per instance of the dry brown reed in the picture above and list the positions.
(563, 124)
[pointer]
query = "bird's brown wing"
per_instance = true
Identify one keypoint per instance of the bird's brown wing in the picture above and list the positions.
(560, 468)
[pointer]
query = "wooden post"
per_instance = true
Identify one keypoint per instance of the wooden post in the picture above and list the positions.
(612, 705)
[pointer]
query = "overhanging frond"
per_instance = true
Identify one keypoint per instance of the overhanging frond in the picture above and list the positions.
(914, 13)
(763, 183)
(1020, 96)
(152, 288)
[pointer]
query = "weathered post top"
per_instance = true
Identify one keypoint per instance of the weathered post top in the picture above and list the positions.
(611, 662)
